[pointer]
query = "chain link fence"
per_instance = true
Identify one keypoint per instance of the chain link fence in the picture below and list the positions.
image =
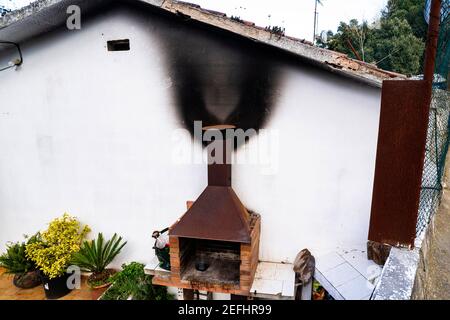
(438, 127)
(435, 153)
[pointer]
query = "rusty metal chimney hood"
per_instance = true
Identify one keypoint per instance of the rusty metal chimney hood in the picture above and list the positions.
(217, 214)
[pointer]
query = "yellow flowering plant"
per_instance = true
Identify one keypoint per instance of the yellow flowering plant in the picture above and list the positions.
(59, 243)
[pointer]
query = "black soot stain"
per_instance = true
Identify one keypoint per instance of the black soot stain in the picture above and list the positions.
(218, 78)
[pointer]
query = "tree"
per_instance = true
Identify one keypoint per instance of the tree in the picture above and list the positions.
(395, 42)
(352, 39)
(412, 11)
(396, 48)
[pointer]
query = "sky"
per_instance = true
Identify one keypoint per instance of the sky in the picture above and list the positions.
(296, 16)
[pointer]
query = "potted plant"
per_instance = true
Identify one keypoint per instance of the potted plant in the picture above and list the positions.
(14, 260)
(54, 253)
(132, 283)
(94, 256)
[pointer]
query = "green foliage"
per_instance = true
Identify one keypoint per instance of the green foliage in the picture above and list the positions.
(396, 48)
(443, 48)
(59, 242)
(395, 42)
(356, 34)
(14, 260)
(411, 11)
(132, 281)
(96, 255)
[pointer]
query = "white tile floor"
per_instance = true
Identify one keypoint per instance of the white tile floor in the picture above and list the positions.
(329, 261)
(341, 274)
(347, 274)
(357, 289)
(268, 287)
(274, 279)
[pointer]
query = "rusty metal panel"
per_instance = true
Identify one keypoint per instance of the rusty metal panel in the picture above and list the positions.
(217, 214)
(432, 40)
(219, 174)
(399, 164)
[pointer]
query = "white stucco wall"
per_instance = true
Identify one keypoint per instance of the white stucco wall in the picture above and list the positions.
(89, 132)
(321, 195)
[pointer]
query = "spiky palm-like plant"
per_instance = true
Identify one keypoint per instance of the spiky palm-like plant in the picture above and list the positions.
(14, 260)
(95, 255)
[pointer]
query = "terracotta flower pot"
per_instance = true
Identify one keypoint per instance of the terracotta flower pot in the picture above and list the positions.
(97, 291)
(27, 280)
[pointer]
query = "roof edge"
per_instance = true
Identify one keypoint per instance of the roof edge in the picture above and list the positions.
(327, 59)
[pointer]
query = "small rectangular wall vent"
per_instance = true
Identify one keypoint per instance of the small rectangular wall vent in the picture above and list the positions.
(119, 45)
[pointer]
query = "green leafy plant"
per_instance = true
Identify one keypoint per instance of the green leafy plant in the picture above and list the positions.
(395, 41)
(59, 243)
(95, 255)
(133, 282)
(14, 260)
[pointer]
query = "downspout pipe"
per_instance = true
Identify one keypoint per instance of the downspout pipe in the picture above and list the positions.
(432, 41)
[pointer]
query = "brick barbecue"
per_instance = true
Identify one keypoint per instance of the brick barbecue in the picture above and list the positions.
(214, 246)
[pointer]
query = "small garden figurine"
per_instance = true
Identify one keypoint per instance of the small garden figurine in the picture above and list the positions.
(162, 248)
